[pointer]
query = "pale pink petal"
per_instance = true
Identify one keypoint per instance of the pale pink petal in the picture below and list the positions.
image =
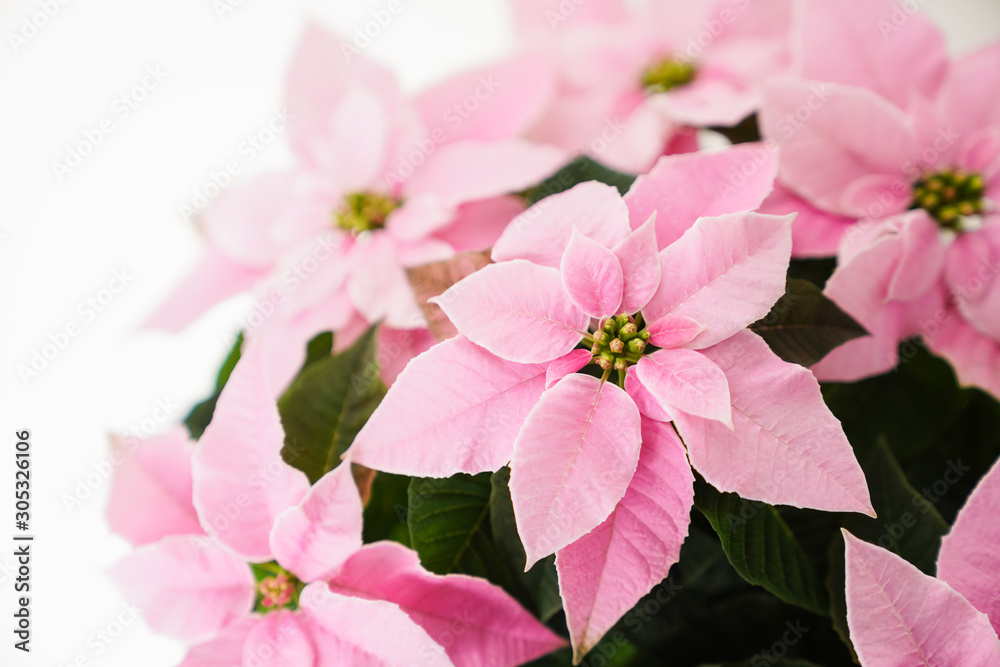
(971, 94)
(477, 225)
(973, 264)
(420, 216)
(517, 310)
(975, 357)
(378, 286)
(605, 573)
(687, 381)
(455, 408)
(644, 400)
(674, 331)
(637, 254)
(815, 233)
(351, 632)
(152, 479)
(313, 539)
(496, 102)
(254, 221)
(224, 649)
(847, 134)
(709, 100)
(475, 621)
(572, 462)
(279, 639)
(970, 553)
(542, 233)
(397, 347)
(866, 356)
(241, 484)
(565, 365)
(322, 72)
(922, 257)
(736, 179)
(212, 280)
(472, 170)
(186, 586)
(900, 616)
(725, 273)
(881, 45)
(592, 277)
(787, 447)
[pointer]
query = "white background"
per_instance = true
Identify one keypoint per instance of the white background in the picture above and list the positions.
(61, 242)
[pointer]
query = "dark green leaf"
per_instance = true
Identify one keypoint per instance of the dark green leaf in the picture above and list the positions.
(201, 415)
(578, 171)
(804, 325)
(320, 347)
(327, 404)
(449, 522)
(743, 132)
(762, 547)
(385, 512)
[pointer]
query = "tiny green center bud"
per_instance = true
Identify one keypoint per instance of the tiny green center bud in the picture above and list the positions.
(637, 346)
(950, 195)
(618, 343)
(617, 346)
(668, 74)
(276, 588)
(364, 211)
(628, 331)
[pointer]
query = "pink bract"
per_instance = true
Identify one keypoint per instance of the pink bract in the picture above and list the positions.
(582, 447)
(381, 184)
(892, 154)
(252, 507)
(896, 612)
(633, 82)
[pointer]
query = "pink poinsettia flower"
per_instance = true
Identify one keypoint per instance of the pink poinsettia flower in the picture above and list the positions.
(899, 615)
(319, 597)
(633, 83)
(382, 183)
(901, 178)
(603, 320)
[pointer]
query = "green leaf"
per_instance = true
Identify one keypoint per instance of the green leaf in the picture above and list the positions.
(320, 347)
(385, 512)
(804, 325)
(541, 583)
(578, 171)
(449, 522)
(327, 404)
(201, 415)
(762, 548)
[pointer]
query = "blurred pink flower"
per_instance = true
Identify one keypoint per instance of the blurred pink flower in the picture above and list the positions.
(381, 184)
(895, 611)
(325, 599)
(633, 83)
(656, 290)
(896, 167)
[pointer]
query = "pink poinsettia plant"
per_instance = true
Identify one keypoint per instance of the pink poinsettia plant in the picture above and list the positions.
(634, 81)
(891, 154)
(230, 508)
(899, 615)
(602, 356)
(381, 183)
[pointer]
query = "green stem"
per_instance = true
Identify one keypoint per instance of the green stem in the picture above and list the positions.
(604, 377)
(638, 321)
(621, 379)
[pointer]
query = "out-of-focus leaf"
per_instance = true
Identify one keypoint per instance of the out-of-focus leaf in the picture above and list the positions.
(201, 415)
(578, 171)
(804, 326)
